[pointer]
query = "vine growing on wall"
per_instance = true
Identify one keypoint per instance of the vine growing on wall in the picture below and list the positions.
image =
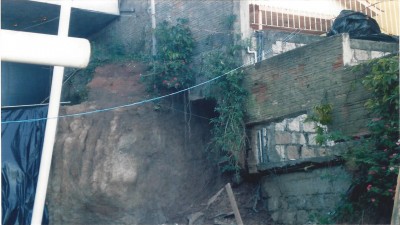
(228, 132)
(375, 158)
(171, 69)
(322, 117)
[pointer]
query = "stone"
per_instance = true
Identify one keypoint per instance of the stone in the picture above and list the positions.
(293, 152)
(307, 152)
(288, 218)
(275, 216)
(273, 204)
(309, 127)
(280, 149)
(302, 118)
(294, 125)
(280, 126)
(324, 151)
(312, 139)
(361, 54)
(277, 47)
(302, 139)
(376, 54)
(330, 143)
(302, 217)
(287, 46)
(295, 138)
(283, 138)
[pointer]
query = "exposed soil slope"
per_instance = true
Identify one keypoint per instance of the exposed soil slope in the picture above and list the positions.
(138, 165)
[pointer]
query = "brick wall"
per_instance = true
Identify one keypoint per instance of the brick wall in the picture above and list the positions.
(208, 23)
(282, 90)
(206, 20)
(296, 81)
(132, 30)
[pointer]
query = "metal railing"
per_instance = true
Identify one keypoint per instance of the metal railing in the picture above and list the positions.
(265, 15)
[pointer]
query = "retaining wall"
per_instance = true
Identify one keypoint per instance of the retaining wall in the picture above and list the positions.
(303, 197)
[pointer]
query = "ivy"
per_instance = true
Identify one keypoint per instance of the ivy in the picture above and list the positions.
(228, 132)
(322, 117)
(171, 69)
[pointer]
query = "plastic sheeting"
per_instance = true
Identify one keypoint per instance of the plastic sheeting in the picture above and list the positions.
(359, 26)
(20, 158)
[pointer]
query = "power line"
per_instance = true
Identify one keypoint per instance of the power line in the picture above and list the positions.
(126, 105)
(143, 101)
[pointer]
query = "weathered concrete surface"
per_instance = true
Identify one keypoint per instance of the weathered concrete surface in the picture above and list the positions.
(295, 198)
(129, 166)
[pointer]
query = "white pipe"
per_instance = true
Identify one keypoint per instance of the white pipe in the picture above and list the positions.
(43, 49)
(51, 125)
(253, 52)
(153, 26)
(31, 105)
(1, 185)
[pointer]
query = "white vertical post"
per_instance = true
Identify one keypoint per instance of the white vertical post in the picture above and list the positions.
(385, 15)
(392, 22)
(153, 27)
(51, 125)
(396, 13)
(1, 200)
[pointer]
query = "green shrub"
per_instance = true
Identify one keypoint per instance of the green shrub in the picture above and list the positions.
(171, 69)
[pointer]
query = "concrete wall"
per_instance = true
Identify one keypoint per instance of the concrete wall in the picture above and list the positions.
(296, 198)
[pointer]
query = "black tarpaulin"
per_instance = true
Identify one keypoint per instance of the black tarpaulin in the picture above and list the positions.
(21, 146)
(359, 26)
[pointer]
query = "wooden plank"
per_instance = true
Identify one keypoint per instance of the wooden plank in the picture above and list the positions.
(396, 209)
(233, 204)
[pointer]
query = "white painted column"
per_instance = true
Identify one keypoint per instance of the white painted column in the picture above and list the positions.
(51, 125)
(153, 27)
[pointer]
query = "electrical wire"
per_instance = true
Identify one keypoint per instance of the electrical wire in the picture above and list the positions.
(143, 101)
(39, 24)
(126, 105)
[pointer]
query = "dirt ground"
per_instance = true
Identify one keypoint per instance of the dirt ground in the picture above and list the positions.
(144, 164)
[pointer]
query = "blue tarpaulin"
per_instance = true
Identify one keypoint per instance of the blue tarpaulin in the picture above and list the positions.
(21, 146)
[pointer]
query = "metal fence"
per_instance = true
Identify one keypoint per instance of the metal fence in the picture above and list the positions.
(317, 16)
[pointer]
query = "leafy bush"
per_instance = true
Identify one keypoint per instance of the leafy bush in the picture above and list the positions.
(228, 141)
(376, 159)
(171, 69)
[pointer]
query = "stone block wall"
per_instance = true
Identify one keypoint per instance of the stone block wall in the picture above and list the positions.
(277, 42)
(297, 198)
(286, 140)
(363, 50)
